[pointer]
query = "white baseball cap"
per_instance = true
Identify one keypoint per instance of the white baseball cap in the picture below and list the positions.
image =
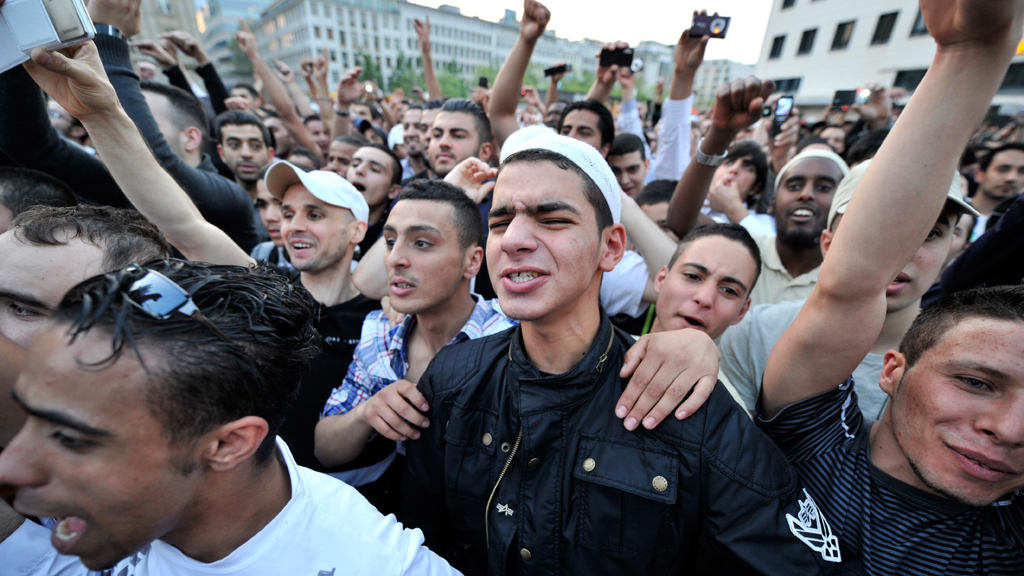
(583, 155)
(396, 136)
(326, 186)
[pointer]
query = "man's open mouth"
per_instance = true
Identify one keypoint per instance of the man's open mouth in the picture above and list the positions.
(522, 276)
(693, 321)
(67, 532)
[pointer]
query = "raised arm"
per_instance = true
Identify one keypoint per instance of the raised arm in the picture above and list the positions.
(350, 88)
(319, 88)
(422, 29)
(78, 83)
(191, 47)
(276, 91)
(505, 93)
(737, 105)
(286, 76)
(606, 76)
(552, 96)
(897, 201)
(650, 240)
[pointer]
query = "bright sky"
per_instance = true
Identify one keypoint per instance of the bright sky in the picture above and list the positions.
(635, 20)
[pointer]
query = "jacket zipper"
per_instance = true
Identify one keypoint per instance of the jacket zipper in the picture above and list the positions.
(487, 512)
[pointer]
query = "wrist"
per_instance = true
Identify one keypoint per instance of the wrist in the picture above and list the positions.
(112, 118)
(736, 213)
(717, 140)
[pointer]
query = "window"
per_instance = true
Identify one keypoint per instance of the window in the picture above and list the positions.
(788, 4)
(883, 30)
(777, 44)
(344, 59)
(919, 28)
(388, 60)
(316, 31)
(334, 56)
(315, 8)
(807, 41)
(843, 33)
(909, 79)
(341, 37)
(787, 85)
(1014, 80)
(387, 42)
(330, 33)
(281, 21)
(287, 40)
(164, 6)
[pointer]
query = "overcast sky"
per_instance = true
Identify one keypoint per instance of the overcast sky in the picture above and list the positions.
(636, 20)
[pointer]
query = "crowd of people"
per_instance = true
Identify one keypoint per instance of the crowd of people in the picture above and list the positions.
(272, 330)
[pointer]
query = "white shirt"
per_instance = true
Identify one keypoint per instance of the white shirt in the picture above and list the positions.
(622, 289)
(327, 528)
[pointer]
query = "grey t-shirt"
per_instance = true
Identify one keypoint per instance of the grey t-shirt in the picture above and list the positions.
(745, 348)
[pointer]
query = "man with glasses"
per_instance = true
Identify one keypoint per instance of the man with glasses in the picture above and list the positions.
(155, 396)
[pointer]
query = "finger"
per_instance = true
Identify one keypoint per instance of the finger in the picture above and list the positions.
(384, 428)
(397, 422)
(414, 398)
(245, 26)
(753, 90)
(701, 392)
(657, 387)
(737, 90)
(767, 88)
(57, 63)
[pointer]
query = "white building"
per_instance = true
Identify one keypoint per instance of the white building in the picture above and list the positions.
(710, 76)
(814, 47)
(294, 29)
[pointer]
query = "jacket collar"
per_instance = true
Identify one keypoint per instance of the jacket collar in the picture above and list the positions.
(573, 386)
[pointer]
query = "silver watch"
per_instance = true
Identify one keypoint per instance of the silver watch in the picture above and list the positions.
(708, 159)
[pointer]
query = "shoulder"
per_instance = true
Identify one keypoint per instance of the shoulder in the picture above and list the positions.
(456, 364)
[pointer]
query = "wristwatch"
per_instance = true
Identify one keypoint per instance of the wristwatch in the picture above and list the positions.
(708, 159)
(110, 31)
(342, 112)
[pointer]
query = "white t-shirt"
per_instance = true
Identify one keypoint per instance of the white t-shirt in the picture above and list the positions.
(622, 289)
(326, 529)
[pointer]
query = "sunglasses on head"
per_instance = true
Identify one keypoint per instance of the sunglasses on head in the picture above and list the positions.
(160, 297)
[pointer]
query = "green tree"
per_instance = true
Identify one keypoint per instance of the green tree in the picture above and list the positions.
(371, 70)
(452, 83)
(404, 75)
(241, 62)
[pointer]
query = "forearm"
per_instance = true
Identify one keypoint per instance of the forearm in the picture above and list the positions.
(322, 94)
(370, 276)
(630, 122)
(552, 96)
(673, 141)
(433, 86)
(904, 189)
(684, 208)
(156, 195)
(341, 438)
(341, 124)
(176, 77)
(214, 86)
(655, 246)
(682, 84)
(505, 94)
(600, 91)
(298, 97)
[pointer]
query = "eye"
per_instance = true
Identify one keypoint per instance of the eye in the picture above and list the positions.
(498, 225)
(973, 383)
(935, 233)
(423, 244)
(23, 312)
(691, 276)
(730, 291)
(70, 442)
(389, 242)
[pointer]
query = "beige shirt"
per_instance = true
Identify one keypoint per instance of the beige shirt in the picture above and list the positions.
(775, 284)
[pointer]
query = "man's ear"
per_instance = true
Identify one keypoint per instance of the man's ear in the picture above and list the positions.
(357, 229)
(270, 152)
(394, 191)
(614, 247)
(826, 241)
(473, 261)
(486, 151)
(743, 312)
(232, 444)
(193, 139)
(220, 152)
(894, 367)
(604, 150)
(659, 280)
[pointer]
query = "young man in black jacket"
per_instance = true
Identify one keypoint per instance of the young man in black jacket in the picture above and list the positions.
(522, 468)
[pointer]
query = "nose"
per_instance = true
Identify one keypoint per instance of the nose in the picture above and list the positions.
(518, 237)
(21, 464)
(705, 294)
(1002, 422)
(806, 192)
(396, 257)
(273, 213)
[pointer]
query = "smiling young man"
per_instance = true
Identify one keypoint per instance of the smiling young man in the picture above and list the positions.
(154, 399)
(933, 486)
(522, 466)
(268, 208)
(433, 252)
(415, 146)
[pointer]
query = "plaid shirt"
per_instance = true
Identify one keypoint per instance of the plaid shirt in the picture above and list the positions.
(381, 357)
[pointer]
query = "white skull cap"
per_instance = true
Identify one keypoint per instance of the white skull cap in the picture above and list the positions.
(583, 155)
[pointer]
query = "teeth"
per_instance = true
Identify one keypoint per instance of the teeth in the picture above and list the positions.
(301, 245)
(403, 285)
(802, 212)
(63, 532)
(523, 276)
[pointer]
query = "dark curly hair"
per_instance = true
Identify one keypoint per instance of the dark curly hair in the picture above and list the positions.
(202, 381)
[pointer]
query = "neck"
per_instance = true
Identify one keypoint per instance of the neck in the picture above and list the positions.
(438, 326)
(895, 326)
(331, 285)
(376, 213)
(416, 163)
(193, 159)
(555, 344)
(249, 187)
(235, 507)
(798, 261)
(982, 203)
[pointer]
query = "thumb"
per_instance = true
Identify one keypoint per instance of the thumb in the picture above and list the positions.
(55, 62)
(633, 357)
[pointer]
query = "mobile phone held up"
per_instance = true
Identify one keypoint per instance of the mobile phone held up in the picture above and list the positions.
(714, 26)
(623, 58)
(844, 98)
(50, 24)
(561, 69)
(783, 109)
(484, 82)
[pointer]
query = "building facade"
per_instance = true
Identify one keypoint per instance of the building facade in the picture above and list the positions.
(812, 48)
(290, 30)
(711, 75)
(160, 16)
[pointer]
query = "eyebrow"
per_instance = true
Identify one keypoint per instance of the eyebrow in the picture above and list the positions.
(23, 298)
(59, 418)
(977, 367)
(413, 229)
(705, 270)
(542, 208)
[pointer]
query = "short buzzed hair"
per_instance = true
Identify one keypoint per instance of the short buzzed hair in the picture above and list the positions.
(22, 188)
(627, 143)
(657, 192)
(188, 112)
(396, 164)
(466, 213)
(480, 120)
(124, 236)
(731, 231)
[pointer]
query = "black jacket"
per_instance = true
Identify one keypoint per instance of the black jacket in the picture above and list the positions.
(581, 495)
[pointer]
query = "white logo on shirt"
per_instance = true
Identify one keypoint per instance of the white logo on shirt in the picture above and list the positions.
(812, 529)
(504, 509)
